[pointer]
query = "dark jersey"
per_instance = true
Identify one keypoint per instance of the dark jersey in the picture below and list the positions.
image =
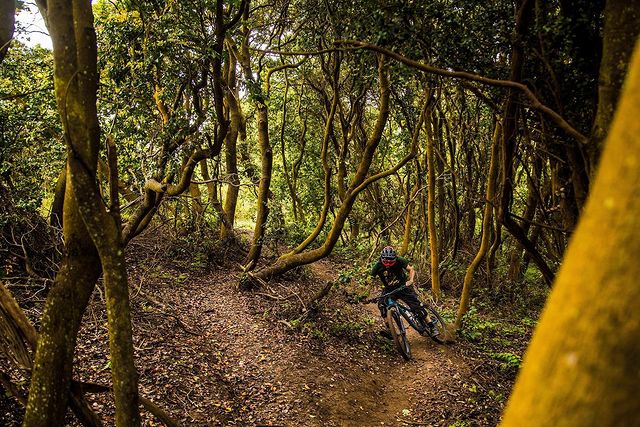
(396, 275)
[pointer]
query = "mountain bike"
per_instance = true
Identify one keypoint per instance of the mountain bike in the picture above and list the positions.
(397, 315)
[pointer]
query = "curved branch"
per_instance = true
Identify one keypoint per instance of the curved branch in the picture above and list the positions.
(187, 172)
(414, 150)
(302, 53)
(280, 68)
(243, 5)
(465, 75)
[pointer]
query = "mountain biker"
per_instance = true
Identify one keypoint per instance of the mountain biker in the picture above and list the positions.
(392, 271)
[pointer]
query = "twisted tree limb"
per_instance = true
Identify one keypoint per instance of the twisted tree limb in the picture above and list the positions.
(465, 75)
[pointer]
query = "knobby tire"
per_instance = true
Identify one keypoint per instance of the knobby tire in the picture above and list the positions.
(441, 326)
(394, 321)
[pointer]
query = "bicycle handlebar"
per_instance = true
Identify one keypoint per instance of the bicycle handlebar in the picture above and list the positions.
(379, 297)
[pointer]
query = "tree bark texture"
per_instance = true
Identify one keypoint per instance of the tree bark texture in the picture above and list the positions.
(231, 154)
(7, 24)
(263, 189)
(431, 201)
(358, 183)
(60, 322)
(326, 168)
(509, 141)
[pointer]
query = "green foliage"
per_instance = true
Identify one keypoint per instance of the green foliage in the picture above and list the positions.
(350, 328)
(309, 329)
(31, 151)
(475, 327)
(509, 360)
(199, 261)
(501, 340)
(497, 396)
(354, 282)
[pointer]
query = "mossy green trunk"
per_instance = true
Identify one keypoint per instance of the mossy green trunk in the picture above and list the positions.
(431, 213)
(358, 183)
(263, 189)
(93, 236)
(231, 153)
(65, 305)
(490, 195)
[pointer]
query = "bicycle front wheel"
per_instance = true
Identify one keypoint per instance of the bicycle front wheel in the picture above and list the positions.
(398, 332)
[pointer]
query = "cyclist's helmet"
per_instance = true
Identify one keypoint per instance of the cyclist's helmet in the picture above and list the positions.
(388, 256)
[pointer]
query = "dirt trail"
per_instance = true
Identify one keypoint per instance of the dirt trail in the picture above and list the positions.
(251, 365)
(386, 393)
(233, 360)
(389, 396)
(273, 376)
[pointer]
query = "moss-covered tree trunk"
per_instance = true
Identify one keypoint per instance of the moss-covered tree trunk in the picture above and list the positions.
(262, 213)
(236, 122)
(408, 222)
(523, 18)
(451, 147)
(326, 168)
(533, 183)
(490, 195)
(60, 322)
(581, 368)
(431, 201)
(76, 83)
(358, 183)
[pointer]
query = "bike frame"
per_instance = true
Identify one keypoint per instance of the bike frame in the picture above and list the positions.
(389, 301)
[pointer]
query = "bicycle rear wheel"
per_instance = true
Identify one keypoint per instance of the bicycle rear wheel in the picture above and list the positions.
(439, 332)
(398, 332)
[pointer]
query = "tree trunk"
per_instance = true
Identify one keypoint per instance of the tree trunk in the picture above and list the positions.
(266, 153)
(621, 28)
(231, 154)
(515, 262)
(493, 250)
(263, 188)
(470, 218)
(581, 366)
(326, 168)
(406, 236)
(197, 208)
(358, 183)
(509, 142)
(76, 83)
(63, 310)
(57, 206)
(7, 23)
(454, 190)
(465, 297)
(431, 201)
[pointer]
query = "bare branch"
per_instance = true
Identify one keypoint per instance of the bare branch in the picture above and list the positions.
(465, 75)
